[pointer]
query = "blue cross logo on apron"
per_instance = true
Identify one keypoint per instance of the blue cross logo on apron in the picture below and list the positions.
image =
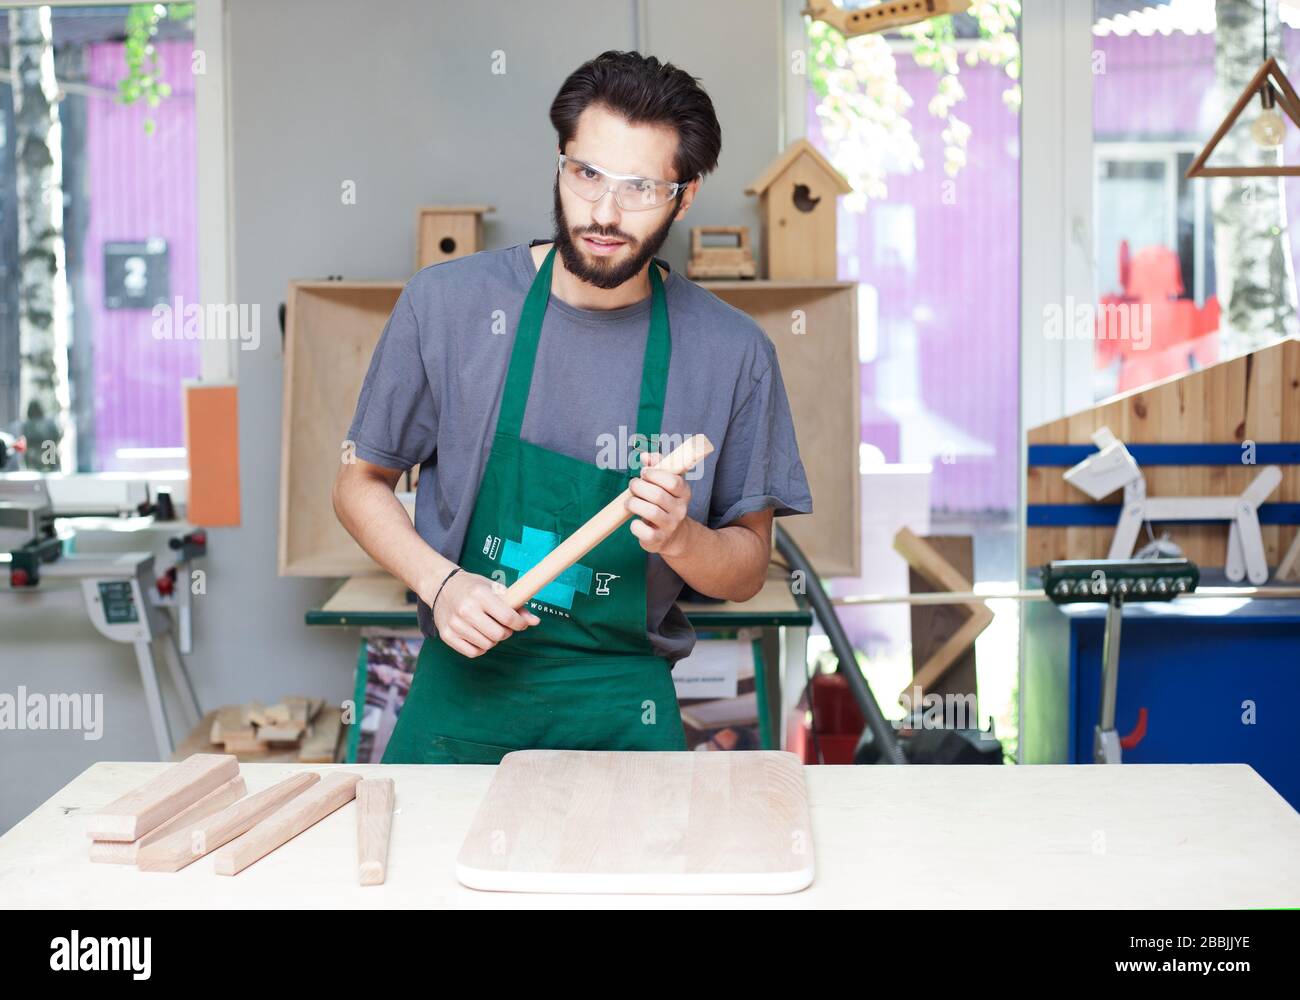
(526, 553)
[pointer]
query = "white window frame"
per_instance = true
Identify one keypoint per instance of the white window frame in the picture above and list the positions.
(218, 358)
(1168, 151)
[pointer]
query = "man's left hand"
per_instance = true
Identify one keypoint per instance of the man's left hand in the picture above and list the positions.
(659, 500)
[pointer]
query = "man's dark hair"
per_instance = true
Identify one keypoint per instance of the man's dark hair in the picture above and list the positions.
(645, 92)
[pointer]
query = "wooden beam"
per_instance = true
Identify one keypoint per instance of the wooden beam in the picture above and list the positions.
(156, 801)
(923, 558)
(174, 852)
(375, 798)
(946, 655)
(286, 823)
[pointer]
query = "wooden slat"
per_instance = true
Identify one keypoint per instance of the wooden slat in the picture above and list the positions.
(285, 823)
(174, 852)
(118, 853)
(158, 800)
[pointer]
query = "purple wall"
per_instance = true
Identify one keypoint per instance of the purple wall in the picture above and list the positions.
(140, 186)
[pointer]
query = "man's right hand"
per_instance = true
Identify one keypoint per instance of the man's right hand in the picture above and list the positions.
(471, 614)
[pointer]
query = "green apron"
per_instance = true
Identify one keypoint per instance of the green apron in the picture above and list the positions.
(586, 678)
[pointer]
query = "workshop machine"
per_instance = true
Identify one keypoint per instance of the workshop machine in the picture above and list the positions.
(124, 595)
(1115, 582)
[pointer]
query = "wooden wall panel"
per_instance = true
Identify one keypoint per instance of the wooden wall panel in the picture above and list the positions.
(1255, 397)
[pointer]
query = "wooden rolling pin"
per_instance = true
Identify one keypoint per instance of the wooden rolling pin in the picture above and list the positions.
(374, 822)
(603, 524)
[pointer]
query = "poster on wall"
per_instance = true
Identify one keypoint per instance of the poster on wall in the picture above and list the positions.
(136, 274)
(384, 672)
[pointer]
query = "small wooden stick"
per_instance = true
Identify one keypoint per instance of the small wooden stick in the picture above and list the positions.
(174, 852)
(114, 852)
(159, 799)
(374, 822)
(286, 823)
(603, 524)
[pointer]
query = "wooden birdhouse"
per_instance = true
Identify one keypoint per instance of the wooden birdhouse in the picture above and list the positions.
(445, 232)
(796, 198)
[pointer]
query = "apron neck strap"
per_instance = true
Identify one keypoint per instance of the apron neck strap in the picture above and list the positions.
(523, 356)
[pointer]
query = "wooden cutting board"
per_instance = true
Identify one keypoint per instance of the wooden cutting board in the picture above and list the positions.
(598, 821)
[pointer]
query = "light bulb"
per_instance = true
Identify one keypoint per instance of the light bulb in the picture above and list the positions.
(1268, 129)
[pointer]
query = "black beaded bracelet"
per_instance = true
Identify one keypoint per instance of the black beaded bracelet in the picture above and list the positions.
(440, 586)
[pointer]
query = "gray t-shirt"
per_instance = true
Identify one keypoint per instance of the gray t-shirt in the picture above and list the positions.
(431, 396)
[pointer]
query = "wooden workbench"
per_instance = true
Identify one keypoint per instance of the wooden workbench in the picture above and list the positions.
(1177, 836)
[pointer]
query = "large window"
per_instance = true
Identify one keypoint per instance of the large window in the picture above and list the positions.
(98, 234)
(1188, 271)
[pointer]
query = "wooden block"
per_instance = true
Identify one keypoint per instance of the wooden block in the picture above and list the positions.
(227, 719)
(255, 714)
(212, 451)
(321, 747)
(117, 853)
(286, 823)
(277, 713)
(375, 797)
(174, 852)
(245, 741)
(156, 801)
(281, 732)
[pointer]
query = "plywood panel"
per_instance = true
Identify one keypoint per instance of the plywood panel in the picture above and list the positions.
(822, 378)
(1255, 397)
(575, 821)
(331, 329)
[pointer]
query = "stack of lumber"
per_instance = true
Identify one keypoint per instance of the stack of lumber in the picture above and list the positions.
(295, 729)
(200, 806)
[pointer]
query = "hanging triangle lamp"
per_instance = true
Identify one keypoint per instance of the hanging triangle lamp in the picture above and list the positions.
(1275, 91)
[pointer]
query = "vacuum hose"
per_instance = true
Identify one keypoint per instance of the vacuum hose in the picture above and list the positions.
(890, 751)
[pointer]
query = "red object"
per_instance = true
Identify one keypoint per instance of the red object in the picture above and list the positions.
(18, 578)
(1140, 730)
(1149, 326)
(839, 723)
(167, 582)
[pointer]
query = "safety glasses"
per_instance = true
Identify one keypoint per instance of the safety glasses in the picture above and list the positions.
(632, 193)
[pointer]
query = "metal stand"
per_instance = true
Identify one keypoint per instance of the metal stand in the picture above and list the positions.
(115, 589)
(1105, 741)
